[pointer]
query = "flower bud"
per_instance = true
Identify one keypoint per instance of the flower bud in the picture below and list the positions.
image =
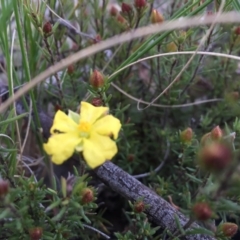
(58, 107)
(139, 207)
(130, 157)
(209, 13)
(229, 229)
(35, 233)
(215, 157)
(232, 97)
(237, 30)
(182, 37)
(69, 184)
(121, 20)
(156, 17)
(206, 138)
(47, 28)
(126, 8)
(140, 4)
(97, 39)
(113, 11)
(97, 102)
(87, 196)
(70, 69)
(4, 187)
(96, 79)
(171, 47)
(216, 133)
(186, 135)
(32, 186)
(202, 211)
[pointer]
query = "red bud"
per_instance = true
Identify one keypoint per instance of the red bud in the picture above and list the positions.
(202, 211)
(4, 187)
(130, 157)
(215, 157)
(96, 79)
(237, 31)
(229, 229)
(139, 207)
(114, 11)
(70, 69)
(126, 8)
(47, 28)
(35, 233)
(87, 195)
(140, 3)
(97, 102)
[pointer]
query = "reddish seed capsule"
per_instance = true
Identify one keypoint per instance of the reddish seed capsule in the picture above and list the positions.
(202, 211)
(47, 28)
(229, 229)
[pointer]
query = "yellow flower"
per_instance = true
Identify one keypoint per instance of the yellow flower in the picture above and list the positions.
(89, 133)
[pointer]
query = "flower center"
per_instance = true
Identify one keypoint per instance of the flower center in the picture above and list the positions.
(84, 129)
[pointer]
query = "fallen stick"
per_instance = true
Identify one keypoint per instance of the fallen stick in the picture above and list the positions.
(158, 210)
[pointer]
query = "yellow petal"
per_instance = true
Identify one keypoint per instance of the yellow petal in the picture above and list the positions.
(107, 126)
(63, 123)
(90, 114)
(61, 146)
(98, 149)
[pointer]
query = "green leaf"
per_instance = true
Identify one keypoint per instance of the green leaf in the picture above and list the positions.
(53, 205)
(60, 214)
(227, 205)
(204, 231)
(179, 226)
(4, 213)
(193, 178)
(74, 116)
(13, 119)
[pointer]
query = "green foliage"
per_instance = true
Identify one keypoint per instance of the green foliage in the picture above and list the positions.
(139, 227)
